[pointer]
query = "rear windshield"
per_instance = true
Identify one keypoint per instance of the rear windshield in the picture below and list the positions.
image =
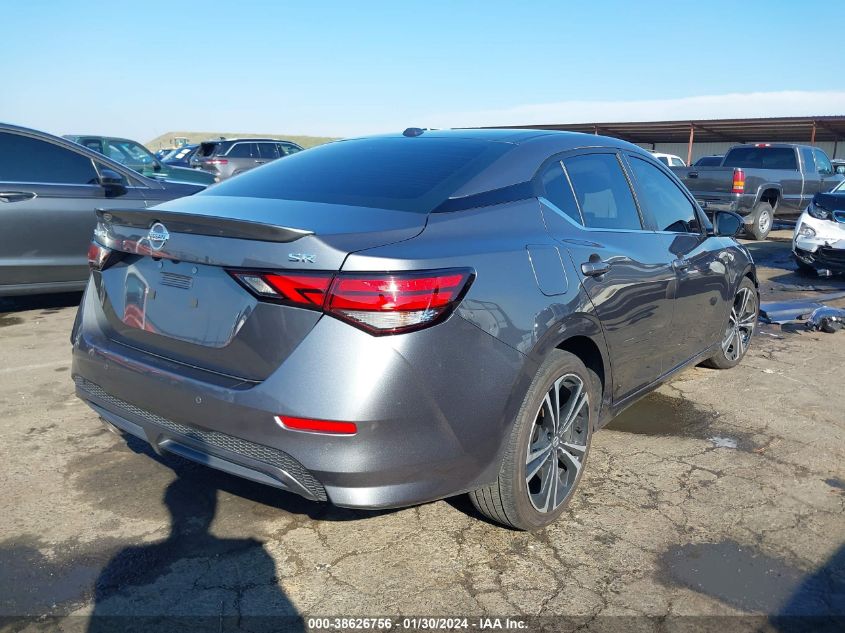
(207, 149)
(761, 158)
(405, 174)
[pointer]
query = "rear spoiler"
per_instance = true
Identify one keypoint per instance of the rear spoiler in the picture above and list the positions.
(201, 224)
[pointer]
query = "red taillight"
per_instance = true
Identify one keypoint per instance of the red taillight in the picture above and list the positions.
(380, 303)
(306, 290)
(217, 161)
(317, 426)
(739, 181)
(399, 302)
(99, 256)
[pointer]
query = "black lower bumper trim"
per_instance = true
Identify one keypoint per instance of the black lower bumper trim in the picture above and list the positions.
(225, 452)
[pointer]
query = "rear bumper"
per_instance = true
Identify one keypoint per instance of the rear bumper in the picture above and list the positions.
(431, 407)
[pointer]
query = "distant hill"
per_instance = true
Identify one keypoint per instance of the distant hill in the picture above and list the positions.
(166, 140)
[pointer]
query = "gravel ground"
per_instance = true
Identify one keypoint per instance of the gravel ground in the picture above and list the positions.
(721, 494)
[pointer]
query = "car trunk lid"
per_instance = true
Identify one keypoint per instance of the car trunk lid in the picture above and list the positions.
(171, 295)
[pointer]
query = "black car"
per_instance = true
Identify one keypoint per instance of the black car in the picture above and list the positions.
(50, 188)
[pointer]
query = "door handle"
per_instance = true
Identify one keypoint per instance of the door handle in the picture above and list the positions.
(594, 268)
(16, 196)
(692, 174)
(681, 264)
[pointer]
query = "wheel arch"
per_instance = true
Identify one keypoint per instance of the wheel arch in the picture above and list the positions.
(580, 334)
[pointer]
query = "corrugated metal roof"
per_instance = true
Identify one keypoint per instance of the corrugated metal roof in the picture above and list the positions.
(786, 129)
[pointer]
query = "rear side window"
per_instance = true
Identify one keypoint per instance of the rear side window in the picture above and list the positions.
(406, 174)
(243, 150)
(26, 159)
(663, 200)
(664, 160)
(602, 192)
(761, 158)
(207, 149)
(557, 191)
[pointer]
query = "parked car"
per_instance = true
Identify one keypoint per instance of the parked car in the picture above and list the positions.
(160, 154)
(386, 321)
(49, 191)
(760, 181)
(229, 157)
(819, 239)
(140, 159)
(180, 157)
(670, 160)
(709, 161)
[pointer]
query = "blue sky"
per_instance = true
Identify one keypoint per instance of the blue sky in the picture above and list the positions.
(341, 68)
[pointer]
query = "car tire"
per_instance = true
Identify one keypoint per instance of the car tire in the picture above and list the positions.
(742, 322)
(761, 221)
(560, 445)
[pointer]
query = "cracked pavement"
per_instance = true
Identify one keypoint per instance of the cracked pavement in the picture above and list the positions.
(720, 494)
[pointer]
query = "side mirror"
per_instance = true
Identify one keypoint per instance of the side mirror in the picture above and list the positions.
(112, 182)
(726, 223)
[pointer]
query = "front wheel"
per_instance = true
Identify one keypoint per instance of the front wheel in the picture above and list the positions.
(547, 449)
(741, 323)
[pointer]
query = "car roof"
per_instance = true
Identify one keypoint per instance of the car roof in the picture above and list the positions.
(531, 148)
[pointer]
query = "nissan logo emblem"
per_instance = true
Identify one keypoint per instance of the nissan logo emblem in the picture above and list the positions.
(158, 236)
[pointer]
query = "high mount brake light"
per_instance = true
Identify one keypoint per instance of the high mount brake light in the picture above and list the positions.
(100, 257)
(380, 303)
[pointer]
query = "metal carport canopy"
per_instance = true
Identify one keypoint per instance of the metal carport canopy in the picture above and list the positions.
(810, 130)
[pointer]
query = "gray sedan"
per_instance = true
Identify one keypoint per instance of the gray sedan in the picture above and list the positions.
(386, 321)
(50, 189)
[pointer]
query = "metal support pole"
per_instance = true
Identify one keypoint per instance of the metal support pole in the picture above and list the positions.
(813, 135)
(691, 139)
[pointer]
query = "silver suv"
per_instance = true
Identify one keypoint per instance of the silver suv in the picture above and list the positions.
(229, 157)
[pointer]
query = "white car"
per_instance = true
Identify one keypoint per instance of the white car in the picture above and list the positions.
(819, 239)
(670, 160)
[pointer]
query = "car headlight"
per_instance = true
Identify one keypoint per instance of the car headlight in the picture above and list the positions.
(820, 213)
(806, 231)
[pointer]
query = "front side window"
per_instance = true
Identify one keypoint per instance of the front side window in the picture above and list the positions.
(557, 191)
(27, 159)
(602, 192)
(268, 150)
(662, 199)
(286, 149)
(243, 150)
(823, 163)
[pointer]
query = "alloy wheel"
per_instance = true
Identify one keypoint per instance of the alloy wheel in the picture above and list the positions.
(558, 443)
(741, 322)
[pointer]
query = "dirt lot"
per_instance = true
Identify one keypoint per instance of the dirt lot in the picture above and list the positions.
(721, 494)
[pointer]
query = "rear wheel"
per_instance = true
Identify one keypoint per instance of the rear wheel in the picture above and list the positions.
(741, 323)
(761, 221)
(548, 447)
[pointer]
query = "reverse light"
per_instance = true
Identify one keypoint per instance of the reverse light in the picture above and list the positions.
(379, 303)
(738, 181)
(99, 256)
(317, 426)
